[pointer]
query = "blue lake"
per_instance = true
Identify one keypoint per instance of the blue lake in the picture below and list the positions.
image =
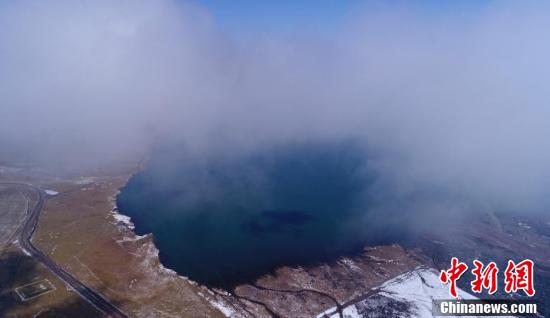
(227, 219)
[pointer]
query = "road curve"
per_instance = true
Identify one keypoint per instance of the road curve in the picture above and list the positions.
(25, 240)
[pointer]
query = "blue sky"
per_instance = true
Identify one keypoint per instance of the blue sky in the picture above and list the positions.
(253, 16)
(282, 15)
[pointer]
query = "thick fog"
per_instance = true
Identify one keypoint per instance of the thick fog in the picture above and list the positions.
(450, 106)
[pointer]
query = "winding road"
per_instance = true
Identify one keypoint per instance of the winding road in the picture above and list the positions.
(25, 240)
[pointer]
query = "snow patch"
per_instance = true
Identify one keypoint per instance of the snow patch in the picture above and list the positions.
(124, 219)
(51, 192)
(327, 312)
(351, 312)
(120, 218)
(151, 261)
(419, 288)
(133, 238)
(350, 264)
(228, 312)
(83, 181)
(409, 294)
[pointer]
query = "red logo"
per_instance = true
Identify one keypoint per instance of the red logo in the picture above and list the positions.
(519, 276)
(453, 274)
(485, 277)
(516, 277)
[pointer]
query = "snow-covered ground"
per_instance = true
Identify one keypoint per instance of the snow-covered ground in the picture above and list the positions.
(51, 192)
(124, 219)
(120, 218)
(408, 295)
(85, 180)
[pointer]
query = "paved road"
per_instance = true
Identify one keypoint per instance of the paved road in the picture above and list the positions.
(25, 239)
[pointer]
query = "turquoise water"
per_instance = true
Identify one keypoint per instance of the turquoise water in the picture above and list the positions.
(224, 220)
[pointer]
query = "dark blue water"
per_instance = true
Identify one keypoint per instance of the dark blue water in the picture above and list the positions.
(224, 220)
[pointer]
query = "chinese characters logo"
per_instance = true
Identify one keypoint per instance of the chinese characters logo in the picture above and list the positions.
(517, 277)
